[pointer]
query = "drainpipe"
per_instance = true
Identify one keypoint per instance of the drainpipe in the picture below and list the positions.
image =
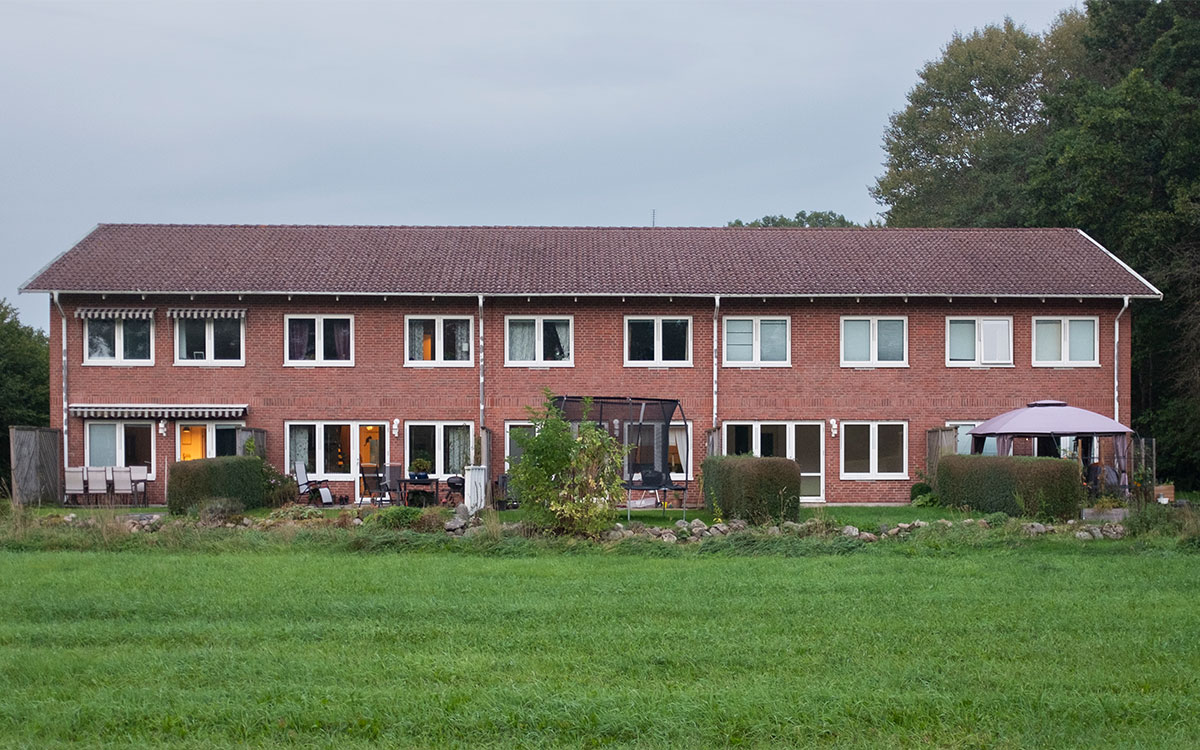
(480, 460)
(716, 325)
(62, 313)
(1116, 360)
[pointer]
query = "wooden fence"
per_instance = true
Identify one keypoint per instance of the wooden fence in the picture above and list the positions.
(36, 465)
(939, 442)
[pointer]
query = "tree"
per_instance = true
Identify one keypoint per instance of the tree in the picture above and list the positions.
(24, 379)
(802, 219)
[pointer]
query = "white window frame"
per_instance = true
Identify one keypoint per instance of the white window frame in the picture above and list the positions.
(658, 341)
(120, 423)
(956, 423)
(874, 361)
(539, 353)
(438, 343)
(319, 350)
(979, 320)
(790, 445)
(438, 471)
(210, 434)
(209, 360)
(508, 441)
(319, 468)
(756, 360)
(688, 472)
(874, 473)
(118, 346)
(1065, 342)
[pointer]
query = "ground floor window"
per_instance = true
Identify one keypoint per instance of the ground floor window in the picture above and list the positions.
(874, 450)
(336, 450)
(120, 444)
(512, 447)
(646, 446)
(205, 439)
(447, 446)
(803, 442)
(963, 439)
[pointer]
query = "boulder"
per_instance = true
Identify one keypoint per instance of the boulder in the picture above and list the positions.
(1033, 529)
(894, 531)
(1113, 531)
(473, 531)
(867, 536)
(773, 531)
(919, 524)
(681, 524)
(945, 522)
(668, 537)
(357, 522)
(698, 524)
(904, 526)
(455, 524)
(719, 529)
(737, 524)
(460, 511)
(614, 535)
(1085, 536)
(850, 531)
(792, 527)
(982, 524)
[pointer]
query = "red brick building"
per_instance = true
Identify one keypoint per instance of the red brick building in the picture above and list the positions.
(836, 347)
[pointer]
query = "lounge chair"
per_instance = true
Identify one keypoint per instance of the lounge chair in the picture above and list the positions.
(309, 487)
(73, 484)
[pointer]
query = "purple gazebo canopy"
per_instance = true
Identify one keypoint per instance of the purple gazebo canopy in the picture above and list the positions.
(1050, 418)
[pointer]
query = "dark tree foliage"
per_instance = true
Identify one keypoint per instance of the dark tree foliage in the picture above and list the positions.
(801, 219)
(24, 379)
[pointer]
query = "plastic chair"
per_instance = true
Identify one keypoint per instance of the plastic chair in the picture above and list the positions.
(97, 481)
(140, 475)
(73, 484)
(122, 482)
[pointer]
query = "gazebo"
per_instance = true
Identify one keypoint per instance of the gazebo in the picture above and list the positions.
(1047, 421)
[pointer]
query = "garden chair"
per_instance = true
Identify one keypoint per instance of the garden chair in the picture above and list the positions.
(375, 490)
(122, 483)
(308, 487)
(140, 475)
(73, 484)
(97, 482)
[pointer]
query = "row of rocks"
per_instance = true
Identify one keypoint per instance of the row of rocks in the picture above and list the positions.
(1084, 532)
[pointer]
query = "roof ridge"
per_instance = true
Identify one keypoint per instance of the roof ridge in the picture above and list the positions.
(586, 227)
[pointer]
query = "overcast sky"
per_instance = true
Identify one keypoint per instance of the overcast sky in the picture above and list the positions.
(558, 113)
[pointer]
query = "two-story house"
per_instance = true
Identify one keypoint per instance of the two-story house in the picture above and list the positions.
(837, 348)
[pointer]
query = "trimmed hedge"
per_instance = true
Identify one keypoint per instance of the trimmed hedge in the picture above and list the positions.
(1016, 485)
(752, 489)
(237, 478)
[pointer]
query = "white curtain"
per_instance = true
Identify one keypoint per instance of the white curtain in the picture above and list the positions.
(521, 346)
(102, 445)
(457, 448)
(679, 442)
(457, 340)
(773, 340)
(300, 440)
(416, 340)
(557, 340)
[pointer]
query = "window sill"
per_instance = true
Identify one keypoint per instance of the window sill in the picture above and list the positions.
(873, 366)
(659, 365)
(318, 364)
(209, 363)
(757, 365)
(873, 477)
(1067, 365)
(118, 364)
(977, 366)
(438, 365)
(538, 365)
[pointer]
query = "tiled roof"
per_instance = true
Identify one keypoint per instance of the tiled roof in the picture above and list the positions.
(160, 258)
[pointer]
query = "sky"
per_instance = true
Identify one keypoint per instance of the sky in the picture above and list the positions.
(470, 113)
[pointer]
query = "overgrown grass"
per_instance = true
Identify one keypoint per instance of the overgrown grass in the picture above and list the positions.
(309, 646)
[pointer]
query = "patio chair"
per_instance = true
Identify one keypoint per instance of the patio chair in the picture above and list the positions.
(140, 475)
(308, 487)
(122, 483)
(73, 484)
(375, 490)
(97, 483)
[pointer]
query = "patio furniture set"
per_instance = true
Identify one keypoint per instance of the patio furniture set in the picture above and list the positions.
(93, 485)
(392, 486)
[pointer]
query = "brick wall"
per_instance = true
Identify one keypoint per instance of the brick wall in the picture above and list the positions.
(925, 394)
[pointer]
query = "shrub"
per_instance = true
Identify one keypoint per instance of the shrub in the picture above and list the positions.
(431, 520)
(395, 517)
(296, 512)
(753, 489)
(278, 489)
(220, 510)
(918, 489)
(926, 500)
(568, 483)
(1154, 519)
(1016, 485)
(238, 478)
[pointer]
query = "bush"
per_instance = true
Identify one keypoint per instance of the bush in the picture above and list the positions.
(395, 517)
(238, 478)
(1153, 518)
(753, 489)
(431, 520)
(220, 510)
(296, 512)
(278, 489)
(918, 489)
(926, 500)
(1016, 485)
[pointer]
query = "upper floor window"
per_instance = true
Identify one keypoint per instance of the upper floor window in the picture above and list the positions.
(757, 342)
(207, 338)
(438, 340)
(658, 341)
(539, 340)
(874, 341)
(118, 341)
(978, 342)
(1066, 342)
(319, 340)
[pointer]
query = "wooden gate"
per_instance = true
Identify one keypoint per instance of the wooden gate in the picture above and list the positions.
(36, 465)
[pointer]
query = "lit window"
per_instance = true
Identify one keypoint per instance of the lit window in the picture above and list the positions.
(1066, 342)
(117, 341)
(757, 342)
(319, 340)
(874, 450)
(541, 341)
(205, 440)
(438, 340)
(874, 342)
(978, 342)
(658, 341)
(336, 450)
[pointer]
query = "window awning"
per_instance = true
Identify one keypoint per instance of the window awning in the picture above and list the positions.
(205, 312)
(158, 411)
(144, 313)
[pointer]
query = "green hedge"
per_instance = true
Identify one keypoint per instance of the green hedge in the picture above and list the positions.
(753, 489)
(237, 478)
(1016, 485)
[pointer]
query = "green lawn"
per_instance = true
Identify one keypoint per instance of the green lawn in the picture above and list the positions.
(1044, 645)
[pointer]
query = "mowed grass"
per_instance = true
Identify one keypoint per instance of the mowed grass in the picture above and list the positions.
(1032, 647)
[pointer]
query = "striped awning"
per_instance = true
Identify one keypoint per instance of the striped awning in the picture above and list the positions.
(158, 411)
(144, 313)
(205, 312)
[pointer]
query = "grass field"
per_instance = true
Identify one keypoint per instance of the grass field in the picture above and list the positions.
(1046, 645)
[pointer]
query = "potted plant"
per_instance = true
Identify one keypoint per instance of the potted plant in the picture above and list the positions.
(419, 468)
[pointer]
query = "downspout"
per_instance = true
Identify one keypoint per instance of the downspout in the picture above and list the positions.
(62, 313)
(481, 460)
(716, 325)
(1116, 360)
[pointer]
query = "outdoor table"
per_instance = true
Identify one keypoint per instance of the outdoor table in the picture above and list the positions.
(405, 486)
